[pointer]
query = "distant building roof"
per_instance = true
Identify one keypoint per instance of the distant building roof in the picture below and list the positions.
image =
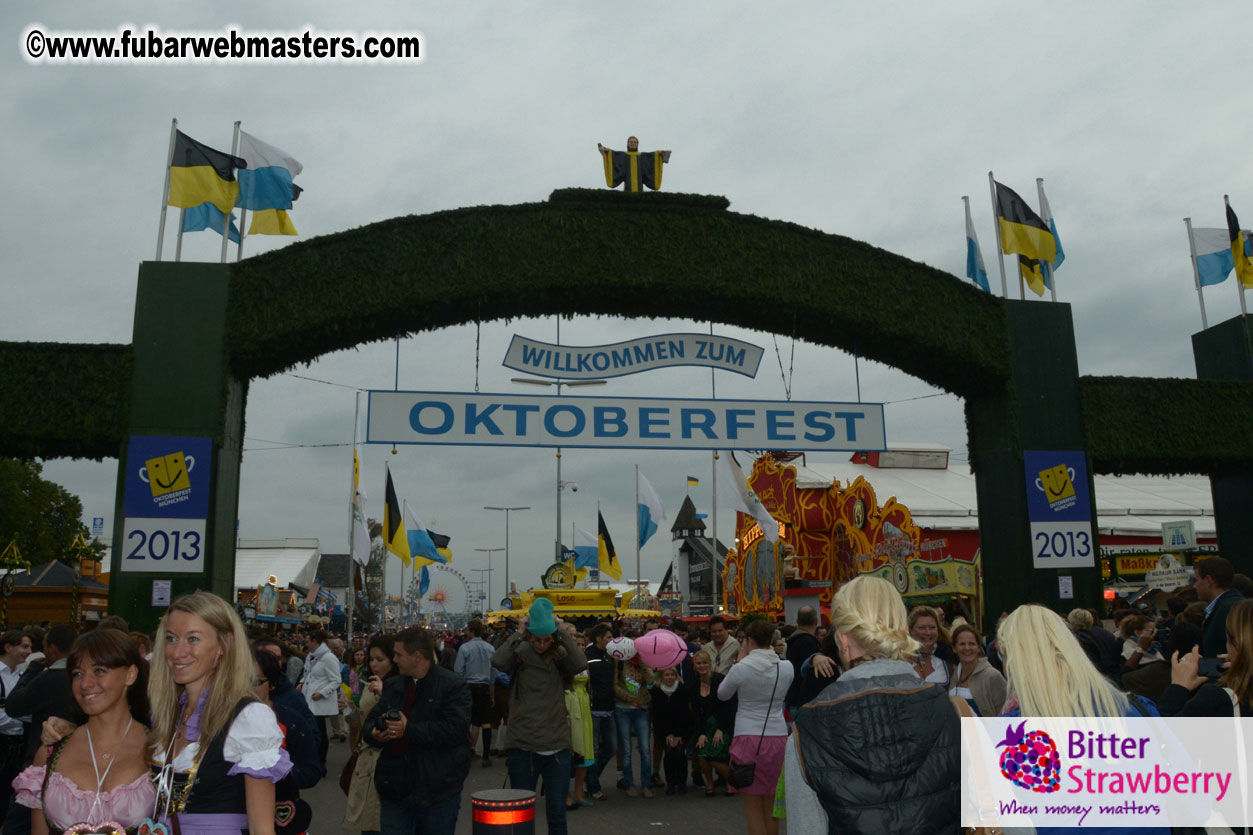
(56, 575)
(335, 570)
(687, 519)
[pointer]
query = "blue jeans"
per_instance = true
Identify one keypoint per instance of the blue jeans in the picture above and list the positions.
(409, 817)
(637, 718)
(526, 768)
(605, 735)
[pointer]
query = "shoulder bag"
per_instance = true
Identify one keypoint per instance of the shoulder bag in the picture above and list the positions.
(741, 775)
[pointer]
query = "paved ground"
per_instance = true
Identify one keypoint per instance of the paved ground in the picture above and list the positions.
(690, 813)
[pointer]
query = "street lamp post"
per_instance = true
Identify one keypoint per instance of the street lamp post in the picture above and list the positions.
(488, 572)
(507, 510)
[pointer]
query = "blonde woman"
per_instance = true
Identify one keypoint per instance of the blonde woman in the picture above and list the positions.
(208, 725)
(878, 751)
(1050, 675)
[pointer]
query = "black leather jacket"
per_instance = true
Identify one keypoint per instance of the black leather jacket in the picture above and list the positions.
(883, 754)
(436, 758)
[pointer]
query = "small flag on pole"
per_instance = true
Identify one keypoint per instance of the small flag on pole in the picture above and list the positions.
(692, 481)
(974, 258)
(208, 216)
(1023, 232)
(649, 510)
(1239, 255)
(422, 545)
(586, 549)
(200, 174)
(393, 524)
(608, 557)
(1213, 255)
(1046, 214)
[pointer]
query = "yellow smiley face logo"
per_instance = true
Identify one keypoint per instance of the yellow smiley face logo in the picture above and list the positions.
(1056, 483)
(167, 473)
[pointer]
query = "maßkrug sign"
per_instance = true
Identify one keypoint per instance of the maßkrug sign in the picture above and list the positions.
(575, 362)
(426, 417)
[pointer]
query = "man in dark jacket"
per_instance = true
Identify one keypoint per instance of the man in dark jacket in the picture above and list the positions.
(600, 687)
(44, 689)
(800, 647)
(1214, 577)
(284, 692)
(425, 758)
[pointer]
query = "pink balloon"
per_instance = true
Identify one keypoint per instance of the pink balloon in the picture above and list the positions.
(660, 649)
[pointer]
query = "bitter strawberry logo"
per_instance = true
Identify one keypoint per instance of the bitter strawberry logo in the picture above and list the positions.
(1030, 760)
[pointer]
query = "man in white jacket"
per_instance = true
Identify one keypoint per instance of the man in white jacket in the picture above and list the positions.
(320, 684)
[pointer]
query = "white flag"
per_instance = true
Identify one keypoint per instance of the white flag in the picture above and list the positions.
(734, 492)
(360, 534)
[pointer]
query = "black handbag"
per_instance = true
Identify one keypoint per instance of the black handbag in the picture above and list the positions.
(741, 775)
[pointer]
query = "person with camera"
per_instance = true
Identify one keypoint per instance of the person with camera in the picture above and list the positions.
(540, 658)
(421, 723)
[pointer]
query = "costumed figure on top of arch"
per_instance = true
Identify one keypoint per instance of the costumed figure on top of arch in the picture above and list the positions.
(836, 533)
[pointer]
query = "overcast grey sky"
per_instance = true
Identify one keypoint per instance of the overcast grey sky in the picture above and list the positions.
(867, 120)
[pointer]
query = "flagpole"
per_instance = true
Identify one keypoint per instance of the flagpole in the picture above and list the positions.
(226, 224)
(165, 196)
(239, 252)
(1239, 281)
(638, 575)
(717, 576)
(1000, 254)
(1045, 267)
(1196, 273)
(178, 248)
(713, 466)
(352, 506)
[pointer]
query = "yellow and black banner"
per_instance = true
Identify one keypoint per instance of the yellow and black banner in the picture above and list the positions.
(1244, 268)
(200, 174)
(1023, 232)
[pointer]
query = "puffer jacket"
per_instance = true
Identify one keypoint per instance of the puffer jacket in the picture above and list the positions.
(883, 754)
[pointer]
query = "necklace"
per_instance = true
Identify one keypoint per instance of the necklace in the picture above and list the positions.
(100, 778)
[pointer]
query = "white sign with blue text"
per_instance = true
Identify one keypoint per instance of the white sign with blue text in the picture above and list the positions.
(588, 362)
(1059, 508)
(418, 417)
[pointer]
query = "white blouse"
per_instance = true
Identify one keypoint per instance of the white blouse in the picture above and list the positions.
(252, 743)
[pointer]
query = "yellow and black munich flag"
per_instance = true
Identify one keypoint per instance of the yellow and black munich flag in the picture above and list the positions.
(394, 535)
(1030, 270)
(1244, 267)
(199, 174)
(1022, 231)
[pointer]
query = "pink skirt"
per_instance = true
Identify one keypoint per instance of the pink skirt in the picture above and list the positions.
(769, 761)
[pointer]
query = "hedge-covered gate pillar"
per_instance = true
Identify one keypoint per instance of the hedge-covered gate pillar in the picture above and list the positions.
(1038, 409)
(177, 500)
(1225, 352)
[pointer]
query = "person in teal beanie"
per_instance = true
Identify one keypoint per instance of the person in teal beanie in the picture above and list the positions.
(539, 659)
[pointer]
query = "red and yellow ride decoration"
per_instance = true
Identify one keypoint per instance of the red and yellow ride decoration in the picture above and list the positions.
(840, 532)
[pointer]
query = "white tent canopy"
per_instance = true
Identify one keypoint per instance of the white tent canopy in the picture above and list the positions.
(289, 560)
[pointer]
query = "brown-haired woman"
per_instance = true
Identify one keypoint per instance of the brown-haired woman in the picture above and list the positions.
(974, 679)
(760, 679)
(99, 773)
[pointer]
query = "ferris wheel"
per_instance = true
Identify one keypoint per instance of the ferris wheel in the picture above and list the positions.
(449, 591)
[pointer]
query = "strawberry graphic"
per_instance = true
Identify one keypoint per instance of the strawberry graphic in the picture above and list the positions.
(1030, 760)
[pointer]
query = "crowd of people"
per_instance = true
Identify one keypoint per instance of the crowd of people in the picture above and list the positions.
(845, 727)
